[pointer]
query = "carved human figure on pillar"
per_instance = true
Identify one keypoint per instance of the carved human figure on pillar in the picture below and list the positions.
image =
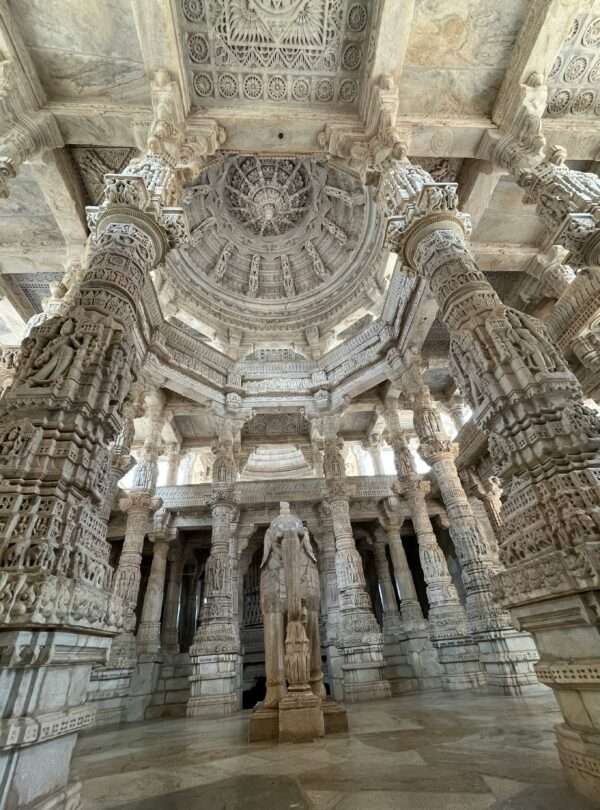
(290, 599)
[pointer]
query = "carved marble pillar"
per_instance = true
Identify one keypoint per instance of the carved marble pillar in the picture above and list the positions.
(456, 410)
(359, 635)
(215, 653)
(412, 615)
(544, 443)
(375, 448)
(173, 461)
(149, 631)
(446, 614)
(170, 627)
(483, 613)
(216, 649)
(331, 603)
(58, 610)
(391, 614)
(139, 506)
(146, 470)
(567, 202)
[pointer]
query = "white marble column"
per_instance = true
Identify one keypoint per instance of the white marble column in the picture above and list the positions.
(391, 614)
(170, 627)
(139, 507)
(215, 653)
(173, 461)
(149, 631)
(359, 635)
(58, 421)
(375, 448)
(411, 613)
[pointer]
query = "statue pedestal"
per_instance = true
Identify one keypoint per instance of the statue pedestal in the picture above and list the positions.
(296, 722)
(300, 717)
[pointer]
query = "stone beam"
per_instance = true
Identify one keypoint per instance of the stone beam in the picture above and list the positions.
(477, 182)
(16, 298)
(394, 25)
(545, 27)
(14, 50)
(503, 257)
(55, 174)
(156, 24)
(519, 141)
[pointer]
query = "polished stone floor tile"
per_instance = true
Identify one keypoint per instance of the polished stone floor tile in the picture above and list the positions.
(439, 751)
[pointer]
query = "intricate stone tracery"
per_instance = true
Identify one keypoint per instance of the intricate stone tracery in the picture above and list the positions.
(297, 51)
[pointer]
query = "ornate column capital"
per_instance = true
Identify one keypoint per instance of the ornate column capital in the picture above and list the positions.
(415, 205)
(568, 203)
(140, 501)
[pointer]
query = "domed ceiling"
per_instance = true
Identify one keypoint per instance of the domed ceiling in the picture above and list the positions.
(278, 245)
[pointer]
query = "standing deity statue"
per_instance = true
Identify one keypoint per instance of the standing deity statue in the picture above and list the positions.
(289, 587)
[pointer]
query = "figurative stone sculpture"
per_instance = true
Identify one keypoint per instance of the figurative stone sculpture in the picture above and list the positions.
(289, 586)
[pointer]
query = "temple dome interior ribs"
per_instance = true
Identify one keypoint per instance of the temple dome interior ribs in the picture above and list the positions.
(299, 404)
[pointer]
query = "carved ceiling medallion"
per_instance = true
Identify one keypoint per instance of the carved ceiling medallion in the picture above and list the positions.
(268, 196)
(307, 51)
(279, 245)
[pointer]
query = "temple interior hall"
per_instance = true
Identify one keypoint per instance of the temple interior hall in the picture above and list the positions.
(299, 404)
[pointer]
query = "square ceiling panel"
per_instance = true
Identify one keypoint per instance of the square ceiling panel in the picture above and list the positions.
(278, 51)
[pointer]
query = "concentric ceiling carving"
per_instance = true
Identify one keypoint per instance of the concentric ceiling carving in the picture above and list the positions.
(268, 197)
(278, 244)
(303, 51)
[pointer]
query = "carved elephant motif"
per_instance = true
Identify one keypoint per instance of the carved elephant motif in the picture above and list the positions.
(289, 598)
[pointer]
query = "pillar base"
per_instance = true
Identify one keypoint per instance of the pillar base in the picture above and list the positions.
(144, 683)
(363, 673)
(109, 692)
(412, 663)
(580, 757)
(214, 684)
(508, 659)
(44, 683)
(460, 660)
(265, 723)
(173, 689)
(300, 718)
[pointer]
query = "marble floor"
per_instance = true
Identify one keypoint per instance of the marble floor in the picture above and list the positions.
(458, 751)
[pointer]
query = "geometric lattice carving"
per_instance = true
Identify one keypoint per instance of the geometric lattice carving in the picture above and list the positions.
(574, 80)
(303, 51)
